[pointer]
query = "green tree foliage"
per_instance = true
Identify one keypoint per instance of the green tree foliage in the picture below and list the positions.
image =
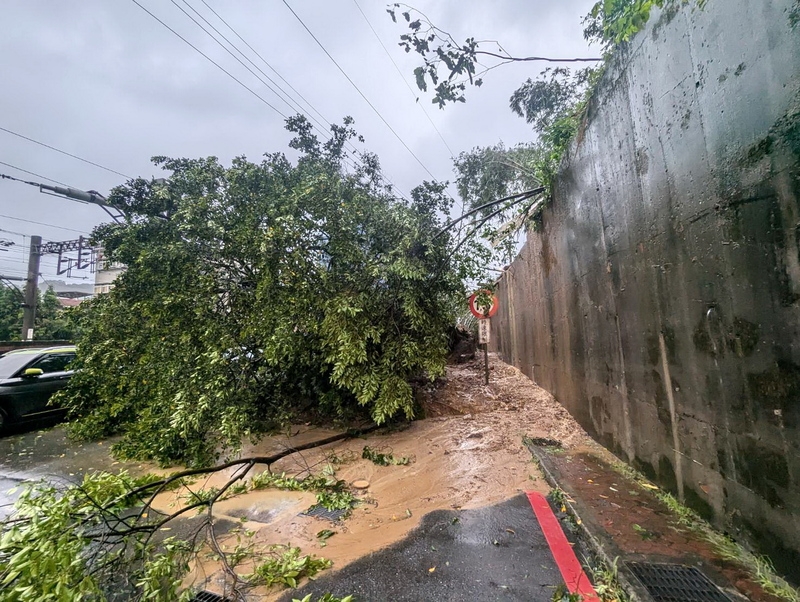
(486, 174)
(103, 539)
(260, 290)
(552, 104)
(612, 22)
(52, 322)
(450, 66)
(10, 313)
(48, 550)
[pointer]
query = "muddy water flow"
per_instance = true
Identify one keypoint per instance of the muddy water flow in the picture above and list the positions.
(469, 456)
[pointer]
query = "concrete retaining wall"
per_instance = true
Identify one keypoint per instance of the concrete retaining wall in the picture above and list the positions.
(660, 299)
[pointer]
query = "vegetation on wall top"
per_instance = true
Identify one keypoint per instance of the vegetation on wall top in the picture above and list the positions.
(553, 103)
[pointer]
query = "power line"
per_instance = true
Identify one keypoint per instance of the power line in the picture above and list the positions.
(357, 89)
(58, 150)
(292, 102)
(405, 81)
(33, 174)
(299, 107)
(226, 49)
(12, 232)
(212, 61)
(238, 81)
(280, 95)
(263, 60)
(29, 221)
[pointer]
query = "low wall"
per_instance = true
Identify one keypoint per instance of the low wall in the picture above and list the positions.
(659, 301)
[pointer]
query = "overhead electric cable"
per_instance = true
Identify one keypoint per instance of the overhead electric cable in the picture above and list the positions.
(58, 150)
(212, 61)
(289, 103)
(33, 174)
(357, 89)
(209, 59)
(237, 80)
(263, 60)
(405, 81)
(29, 221)
(226, 49)
(12, 232)
(292, 103)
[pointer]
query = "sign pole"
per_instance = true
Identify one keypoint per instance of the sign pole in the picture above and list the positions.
(486, 363)
(483, 311)
(483, 339)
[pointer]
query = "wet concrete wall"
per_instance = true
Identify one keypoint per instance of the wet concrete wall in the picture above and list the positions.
(660, 299)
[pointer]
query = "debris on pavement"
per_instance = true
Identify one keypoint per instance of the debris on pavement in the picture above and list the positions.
(633, 521)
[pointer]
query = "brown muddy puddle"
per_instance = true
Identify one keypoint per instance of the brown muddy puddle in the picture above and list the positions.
(458, 461)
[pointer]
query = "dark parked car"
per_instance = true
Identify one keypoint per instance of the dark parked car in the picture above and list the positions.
(28, 378)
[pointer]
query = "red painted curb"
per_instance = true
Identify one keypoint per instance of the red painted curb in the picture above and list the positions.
(571, 570)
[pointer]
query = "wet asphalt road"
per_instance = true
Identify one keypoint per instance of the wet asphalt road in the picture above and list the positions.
(489, 554)
(33, 454)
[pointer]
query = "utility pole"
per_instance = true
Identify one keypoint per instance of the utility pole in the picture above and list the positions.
(31, 288)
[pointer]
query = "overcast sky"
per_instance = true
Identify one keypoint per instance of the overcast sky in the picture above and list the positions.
(103, 80)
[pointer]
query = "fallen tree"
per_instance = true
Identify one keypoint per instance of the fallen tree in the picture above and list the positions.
(259, 292)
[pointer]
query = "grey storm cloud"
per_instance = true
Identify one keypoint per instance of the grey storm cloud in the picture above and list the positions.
(103, 80)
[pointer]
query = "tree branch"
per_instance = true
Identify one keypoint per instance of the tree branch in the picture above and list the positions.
(507, 57)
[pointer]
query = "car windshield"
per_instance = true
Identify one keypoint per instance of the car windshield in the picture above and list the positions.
(12, 362)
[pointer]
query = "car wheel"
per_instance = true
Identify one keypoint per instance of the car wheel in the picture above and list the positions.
(3, 420)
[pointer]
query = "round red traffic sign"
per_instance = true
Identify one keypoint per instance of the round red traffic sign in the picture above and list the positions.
(483, 311)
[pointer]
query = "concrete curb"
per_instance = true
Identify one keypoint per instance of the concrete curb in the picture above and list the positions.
(600, 545)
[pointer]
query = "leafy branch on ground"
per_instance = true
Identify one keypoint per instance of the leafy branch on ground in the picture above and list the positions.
(338, 458)
(645, 534)
(107, 534)
(383, 456)
(323, 536)
(559, 498)
(286, 565)
(562, 594)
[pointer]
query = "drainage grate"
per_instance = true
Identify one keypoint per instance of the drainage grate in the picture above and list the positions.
(676, 583)
(320, 511)
(205, 596)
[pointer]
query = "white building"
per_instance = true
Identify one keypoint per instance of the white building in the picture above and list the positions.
(105, 274)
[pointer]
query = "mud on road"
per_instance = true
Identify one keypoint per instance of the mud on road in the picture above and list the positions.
(468, 454)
